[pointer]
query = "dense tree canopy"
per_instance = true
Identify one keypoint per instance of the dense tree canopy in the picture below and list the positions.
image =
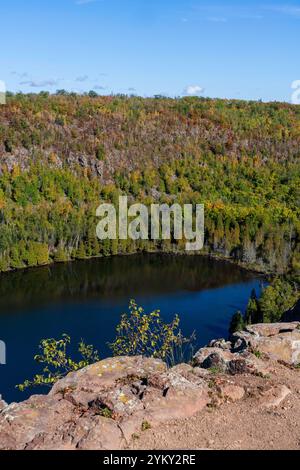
(61, 155)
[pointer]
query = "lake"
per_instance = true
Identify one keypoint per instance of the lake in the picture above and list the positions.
(85, 299)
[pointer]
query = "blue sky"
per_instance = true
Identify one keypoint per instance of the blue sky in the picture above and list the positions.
(233, 49)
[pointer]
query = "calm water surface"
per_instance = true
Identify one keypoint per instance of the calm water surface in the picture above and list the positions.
(85, 299)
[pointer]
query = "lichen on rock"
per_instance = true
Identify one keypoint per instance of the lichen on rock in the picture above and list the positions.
(107, 403)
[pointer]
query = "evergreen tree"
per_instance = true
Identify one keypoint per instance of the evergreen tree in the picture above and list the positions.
(253, 312)
(237, 323)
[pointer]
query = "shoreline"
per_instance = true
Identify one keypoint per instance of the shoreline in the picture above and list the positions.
(216, 257)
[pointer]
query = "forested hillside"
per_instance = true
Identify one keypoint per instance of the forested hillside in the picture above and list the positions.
(61, 155)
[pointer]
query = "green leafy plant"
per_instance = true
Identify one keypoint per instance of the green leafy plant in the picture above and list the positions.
(146, 334)
(215, 370)
(277, 298)
(57, 363)
(138, 333)
(106, 413)
(257, 353)
(146, 425)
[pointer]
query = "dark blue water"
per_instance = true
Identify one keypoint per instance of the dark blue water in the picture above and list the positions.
(85, 300)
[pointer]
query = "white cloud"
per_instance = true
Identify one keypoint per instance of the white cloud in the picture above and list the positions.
(193, 90)
(20, 75)
(291, 10)
(41, 84)
(82, 78)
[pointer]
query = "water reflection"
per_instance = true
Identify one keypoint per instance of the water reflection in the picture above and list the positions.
(119, 276)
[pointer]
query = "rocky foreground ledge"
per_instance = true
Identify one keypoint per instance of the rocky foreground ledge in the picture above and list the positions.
(111, 404)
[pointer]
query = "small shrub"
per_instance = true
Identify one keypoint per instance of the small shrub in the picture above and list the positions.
(215, 370)
(146, 425)
(138, 334)
(142, 334)
(257, 353)
(106, 413)
(61, 255)
(57, 363)
(211, 383)
(100, 152)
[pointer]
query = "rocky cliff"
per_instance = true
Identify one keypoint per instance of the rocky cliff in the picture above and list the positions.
(123, 402)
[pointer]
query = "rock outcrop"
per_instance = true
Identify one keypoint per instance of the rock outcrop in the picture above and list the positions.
(107, 404)
(281, 340)
(102, 406)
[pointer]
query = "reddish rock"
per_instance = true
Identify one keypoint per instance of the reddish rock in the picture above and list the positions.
(100, 434)
(272, 329)
(101, 376)
(274, 396)
(3, 404)
(213, 357)
(228, 362)
(201, 373)
(279, 340)
(231, 392)
(183, 369)
(21, 423)
(101, 406)
(220, 343)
